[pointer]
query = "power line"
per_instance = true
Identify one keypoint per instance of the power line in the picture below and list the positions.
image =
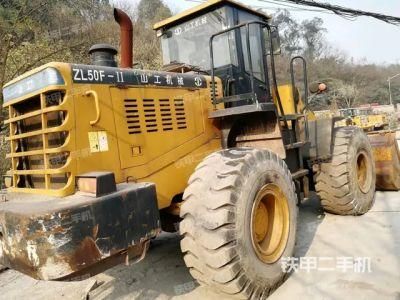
(322, 11)
(286, 6)
(291, 7)
(196, 1)
(345, 11)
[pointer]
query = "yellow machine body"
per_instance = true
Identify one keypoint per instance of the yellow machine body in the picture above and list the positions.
(142, 133)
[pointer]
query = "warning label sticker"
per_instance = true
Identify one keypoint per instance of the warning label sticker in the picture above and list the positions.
(98, 141)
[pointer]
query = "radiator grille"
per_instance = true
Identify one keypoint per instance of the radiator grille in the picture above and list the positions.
(38, 142)
(155, 115)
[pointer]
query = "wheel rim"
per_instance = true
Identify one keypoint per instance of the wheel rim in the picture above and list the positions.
(363, 172)
(270, 223)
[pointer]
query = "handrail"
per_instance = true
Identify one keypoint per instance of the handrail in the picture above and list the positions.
(250, 59)
(97, 104)
(305, 82)
(305, 79)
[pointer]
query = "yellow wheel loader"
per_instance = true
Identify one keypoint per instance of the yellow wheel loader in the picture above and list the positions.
(104, 156)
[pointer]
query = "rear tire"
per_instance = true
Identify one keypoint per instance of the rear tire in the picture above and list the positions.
(224, 241)
(346, 184)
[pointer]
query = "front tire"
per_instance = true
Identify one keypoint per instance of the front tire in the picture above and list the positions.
(346, 184)
(239, 221)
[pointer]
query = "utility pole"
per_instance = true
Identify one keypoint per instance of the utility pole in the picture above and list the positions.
(390, 88)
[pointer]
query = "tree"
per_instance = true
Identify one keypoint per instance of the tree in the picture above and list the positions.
(151, 11)
(305, 38)
(347, 95)
(313, 37)
(146, 46)
(34, 32)
(290, 32)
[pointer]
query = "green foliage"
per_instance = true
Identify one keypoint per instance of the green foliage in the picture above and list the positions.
(4, 163)
(35, 32)
(312, 32)
(305, 38)
(151, 11)
(147, 49)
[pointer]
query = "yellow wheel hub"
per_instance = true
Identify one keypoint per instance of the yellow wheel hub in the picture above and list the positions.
(261, 220)
(270, 221)
(363, 172)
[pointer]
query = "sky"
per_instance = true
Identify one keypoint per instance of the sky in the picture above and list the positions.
(363, 39)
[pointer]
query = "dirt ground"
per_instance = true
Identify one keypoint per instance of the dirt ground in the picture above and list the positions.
(326, 240)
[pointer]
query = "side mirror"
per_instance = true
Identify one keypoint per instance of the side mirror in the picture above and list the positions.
(276, 41)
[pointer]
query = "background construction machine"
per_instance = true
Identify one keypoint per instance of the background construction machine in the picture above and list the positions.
(381, 131)
(384, 144)
(363, 117)
(103, 157)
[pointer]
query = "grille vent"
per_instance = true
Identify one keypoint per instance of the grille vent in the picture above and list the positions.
(155, 115)
(217, 95)
(180, 113)
(132, 116)
(166, 115)
(150, 115)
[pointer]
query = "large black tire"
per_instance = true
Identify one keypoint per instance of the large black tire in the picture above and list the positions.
(216, 227)
(346, 184)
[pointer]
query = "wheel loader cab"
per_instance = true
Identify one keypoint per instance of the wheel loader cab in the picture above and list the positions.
(223, 39)
(233, 44)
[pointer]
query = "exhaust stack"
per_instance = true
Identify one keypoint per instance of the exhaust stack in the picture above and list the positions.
(125, 23)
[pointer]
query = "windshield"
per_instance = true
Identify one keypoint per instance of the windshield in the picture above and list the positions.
(189, 42)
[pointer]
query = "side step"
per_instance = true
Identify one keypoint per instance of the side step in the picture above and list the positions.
(294, 145)
(300, 173)
(293, 117)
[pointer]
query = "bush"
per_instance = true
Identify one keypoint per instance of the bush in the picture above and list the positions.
(4, 163)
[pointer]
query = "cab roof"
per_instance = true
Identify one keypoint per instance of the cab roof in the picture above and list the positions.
(204, 8)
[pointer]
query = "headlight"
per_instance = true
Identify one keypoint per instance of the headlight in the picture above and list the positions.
(35, 82)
